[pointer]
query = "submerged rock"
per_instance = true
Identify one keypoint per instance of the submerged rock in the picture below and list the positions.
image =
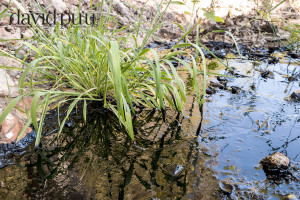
(275, 162)
(210, 90)
(217, 85)
(295, 96)
(227, 188)
(235, 89)
(267, 74)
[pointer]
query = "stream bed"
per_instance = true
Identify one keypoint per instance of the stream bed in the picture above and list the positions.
(182, 157)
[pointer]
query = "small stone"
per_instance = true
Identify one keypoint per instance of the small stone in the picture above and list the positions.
(22, 104)
(28, 34)
(235, 90)
(123, 21)
(217, 85)
(267, 74)
(290, 197)
(210, 90)
(57, 5)
(227, 188)
(7, 85)
(10, 62)
(11, 128)
(295, 96)
(275, 162)
(4, 34)
(4, 20)
(121, 8)
(74, 2)
(223, 79)
(229, 22)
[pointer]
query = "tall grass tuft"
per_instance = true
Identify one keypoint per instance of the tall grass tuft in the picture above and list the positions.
(94, 64)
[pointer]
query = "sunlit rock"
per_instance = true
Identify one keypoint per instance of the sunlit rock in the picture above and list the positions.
(11, 128)
(275, 162)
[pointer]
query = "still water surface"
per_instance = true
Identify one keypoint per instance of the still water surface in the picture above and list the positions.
(179, 158)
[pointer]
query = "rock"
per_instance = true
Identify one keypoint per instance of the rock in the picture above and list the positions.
(26, 102)
(273, 60)
(269, 28)
(295, 96)
(28, 34)
(229, 22)
(5, 81)
(4, 20)
(210, 90)
(222, 79)
(11, 128)
(290, 197)
(293, 55)
(235, 90)
(217, 85)
(275, 162)
(123, 20)
(74, 2)
(10, 62)
(226, 187)
(6, 35)
(267, 74)
(57, 5)
(121, 8)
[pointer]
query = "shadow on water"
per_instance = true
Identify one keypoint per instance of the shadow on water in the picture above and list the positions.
(97, 160)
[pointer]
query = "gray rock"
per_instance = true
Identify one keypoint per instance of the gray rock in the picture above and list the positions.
(28, 34)
(275, 162)
(121, 8)
(7, 85)
(58, 5)
(10, 62)
(74, 2)
(4, 34)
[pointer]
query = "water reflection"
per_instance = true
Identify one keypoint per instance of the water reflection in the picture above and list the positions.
(172, 157)
(96, 160)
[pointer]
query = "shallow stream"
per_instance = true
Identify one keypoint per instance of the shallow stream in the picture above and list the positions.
(179, 158)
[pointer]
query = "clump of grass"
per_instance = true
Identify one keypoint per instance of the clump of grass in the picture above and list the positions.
(94, 64)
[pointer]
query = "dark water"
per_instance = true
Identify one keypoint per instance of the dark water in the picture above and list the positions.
(176, 159)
